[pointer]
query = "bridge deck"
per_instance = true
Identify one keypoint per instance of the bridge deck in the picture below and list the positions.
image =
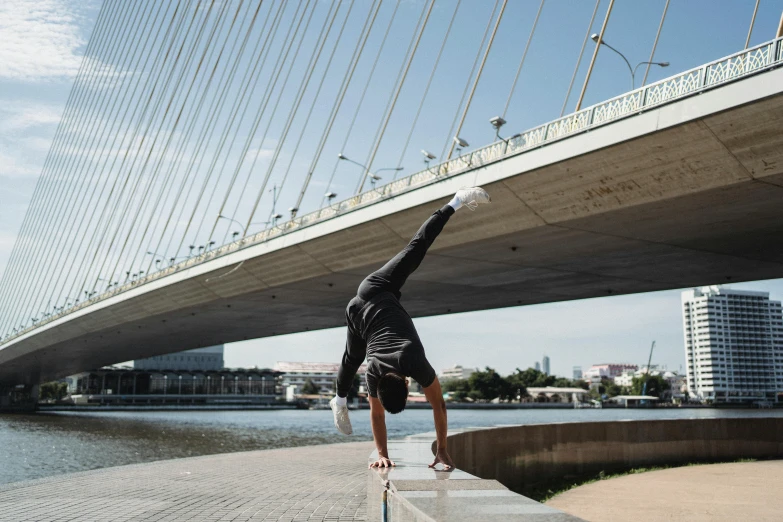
(687, 194)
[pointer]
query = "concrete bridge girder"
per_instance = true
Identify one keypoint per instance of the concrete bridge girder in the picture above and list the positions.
(684, 195)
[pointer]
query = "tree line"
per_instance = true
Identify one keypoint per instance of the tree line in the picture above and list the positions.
(487, 385)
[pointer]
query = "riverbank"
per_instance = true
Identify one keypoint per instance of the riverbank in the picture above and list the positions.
(165, 407)
(44, 407)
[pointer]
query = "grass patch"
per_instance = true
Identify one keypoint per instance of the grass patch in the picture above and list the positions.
(545, 493)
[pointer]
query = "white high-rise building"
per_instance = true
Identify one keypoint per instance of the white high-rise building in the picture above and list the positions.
(733, 345)
(545, 365)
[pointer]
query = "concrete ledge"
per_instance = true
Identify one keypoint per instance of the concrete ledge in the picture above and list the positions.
(419, 494)
(524, 458)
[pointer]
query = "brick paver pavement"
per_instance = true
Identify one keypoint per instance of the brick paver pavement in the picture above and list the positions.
(314, 483)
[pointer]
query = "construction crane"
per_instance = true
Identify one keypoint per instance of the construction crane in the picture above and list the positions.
(647, 378)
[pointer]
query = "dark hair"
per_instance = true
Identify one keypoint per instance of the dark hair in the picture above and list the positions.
(393, 392)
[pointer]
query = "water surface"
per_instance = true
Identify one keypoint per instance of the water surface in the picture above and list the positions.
(45, 444)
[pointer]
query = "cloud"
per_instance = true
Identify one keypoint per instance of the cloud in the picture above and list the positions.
(19, 115)
(262, 153)
(41, 40)
(13, 167)
(7, 241)
(36, 144)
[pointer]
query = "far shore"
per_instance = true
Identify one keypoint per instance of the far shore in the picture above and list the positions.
(289, 406)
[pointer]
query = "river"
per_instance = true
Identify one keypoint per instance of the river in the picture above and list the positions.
(45, 444)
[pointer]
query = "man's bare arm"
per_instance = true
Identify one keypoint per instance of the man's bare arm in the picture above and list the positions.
(378, 423)
(434, 396)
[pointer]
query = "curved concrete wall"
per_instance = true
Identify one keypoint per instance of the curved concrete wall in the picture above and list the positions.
(526, 457)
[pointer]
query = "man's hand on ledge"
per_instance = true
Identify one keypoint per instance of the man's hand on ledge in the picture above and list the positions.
(443, 457)
(383, 462)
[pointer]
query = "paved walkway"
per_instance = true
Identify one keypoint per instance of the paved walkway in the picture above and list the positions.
(715, 492)
(315, 483)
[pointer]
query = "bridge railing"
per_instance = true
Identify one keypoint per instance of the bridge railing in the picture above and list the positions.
(719, 72)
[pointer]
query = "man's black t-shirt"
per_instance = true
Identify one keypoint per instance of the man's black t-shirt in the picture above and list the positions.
(384, 328)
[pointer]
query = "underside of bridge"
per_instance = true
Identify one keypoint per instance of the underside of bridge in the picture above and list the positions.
(696, 203)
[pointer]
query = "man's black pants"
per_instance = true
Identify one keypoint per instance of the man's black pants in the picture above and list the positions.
(391, 276)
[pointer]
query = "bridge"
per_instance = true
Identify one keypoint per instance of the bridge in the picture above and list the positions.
(674, 184)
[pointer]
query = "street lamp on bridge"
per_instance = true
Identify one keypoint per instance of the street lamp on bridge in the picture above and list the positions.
(373, 176)
(596, 39)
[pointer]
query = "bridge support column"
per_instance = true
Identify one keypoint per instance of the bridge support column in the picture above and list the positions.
(21, 398)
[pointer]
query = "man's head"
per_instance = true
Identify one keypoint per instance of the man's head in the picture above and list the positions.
(393, 392)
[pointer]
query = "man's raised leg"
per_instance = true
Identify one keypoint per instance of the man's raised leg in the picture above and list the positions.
(392, 276)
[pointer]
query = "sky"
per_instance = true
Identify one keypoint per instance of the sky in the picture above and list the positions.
(44, 41)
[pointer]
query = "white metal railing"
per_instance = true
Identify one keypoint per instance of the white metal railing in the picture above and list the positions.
(733, 67)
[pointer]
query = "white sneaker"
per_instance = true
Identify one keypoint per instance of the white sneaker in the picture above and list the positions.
(472, 197)
(341, 420)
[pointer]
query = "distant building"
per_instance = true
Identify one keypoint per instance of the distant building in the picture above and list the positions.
(124, 385)
(200, 359)
(545, 365)
(553, 394)
(733, 345)
(323, 375)
(676, 382)
(607, 371)
(537, 366)
(625, 378)
(577, 374)
(456, 372)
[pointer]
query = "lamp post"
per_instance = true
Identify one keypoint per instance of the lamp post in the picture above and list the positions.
(329, 196)
(497, 122)
(367, 174)
(155, 256)
(632, 70)
(235, 234)
(428, 156)
(461, 144)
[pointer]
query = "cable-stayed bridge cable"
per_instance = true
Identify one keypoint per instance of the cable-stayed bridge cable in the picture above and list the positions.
(522, 61)
(258, 57)
(478, 75)
(294, 109)
(579, 60)
(288, 43)
(371, 159)
(95, 149)
(467, 81)
(359, 104)
(390, 99)
(44, 187)
(427, 87)
(40, 263)
(655, 43)
(355, 57)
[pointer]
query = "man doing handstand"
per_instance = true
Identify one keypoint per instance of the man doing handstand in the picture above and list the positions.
(380, 329)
